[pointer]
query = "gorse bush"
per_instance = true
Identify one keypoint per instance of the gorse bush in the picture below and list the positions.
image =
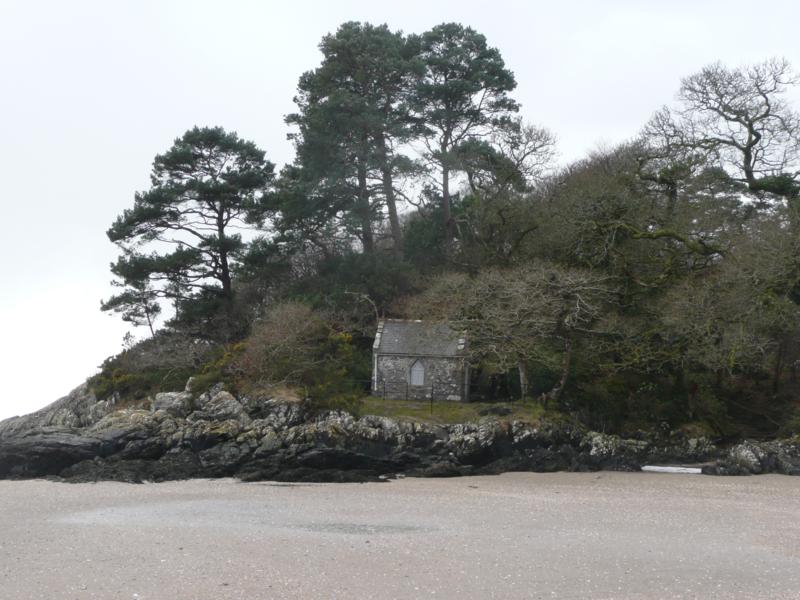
(220, 368)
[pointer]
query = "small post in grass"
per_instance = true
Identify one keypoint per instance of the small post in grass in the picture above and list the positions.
(431, 398)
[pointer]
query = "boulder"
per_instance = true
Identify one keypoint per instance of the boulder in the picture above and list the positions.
(746, 457)
(754, 458)
(177, 404)
(221, 406)
(47, 452)
(79, 408)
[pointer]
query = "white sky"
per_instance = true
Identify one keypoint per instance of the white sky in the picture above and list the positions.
(90, 92)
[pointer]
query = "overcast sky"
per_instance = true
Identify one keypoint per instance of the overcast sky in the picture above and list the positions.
(92, 91)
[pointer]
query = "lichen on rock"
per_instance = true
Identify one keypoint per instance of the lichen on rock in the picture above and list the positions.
(281, 437)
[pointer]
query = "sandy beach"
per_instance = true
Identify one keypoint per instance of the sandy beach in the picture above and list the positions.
(520, 535)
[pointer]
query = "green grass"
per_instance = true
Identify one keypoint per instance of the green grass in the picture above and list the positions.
(442, 413)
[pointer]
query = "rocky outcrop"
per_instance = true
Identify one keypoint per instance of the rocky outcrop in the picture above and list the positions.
(755, 458)
(77, 409)
(177, 404)
(278, 437)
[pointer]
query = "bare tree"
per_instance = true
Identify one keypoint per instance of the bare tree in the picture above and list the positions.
(531, 314)
(530, 148)
(740, 119)
(284, 345)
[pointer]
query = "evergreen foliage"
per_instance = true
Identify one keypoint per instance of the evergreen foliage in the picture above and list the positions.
(654, 282)
(209, 183)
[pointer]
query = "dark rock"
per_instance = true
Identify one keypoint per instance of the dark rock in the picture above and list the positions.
(280, 438)
(47, 452)
(754, 458)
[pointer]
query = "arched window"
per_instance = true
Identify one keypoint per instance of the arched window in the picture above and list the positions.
(417, 373)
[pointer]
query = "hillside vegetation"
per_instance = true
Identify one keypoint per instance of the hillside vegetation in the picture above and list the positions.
(651, 285)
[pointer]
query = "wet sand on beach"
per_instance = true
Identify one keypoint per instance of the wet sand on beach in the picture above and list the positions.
(518, 535)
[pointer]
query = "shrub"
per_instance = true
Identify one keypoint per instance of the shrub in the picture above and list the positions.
(220, 368)
(163, 362)
(284, 346)
(136, 384)
(791, 426)
(294, 345)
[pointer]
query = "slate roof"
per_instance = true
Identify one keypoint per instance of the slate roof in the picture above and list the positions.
(418, 338)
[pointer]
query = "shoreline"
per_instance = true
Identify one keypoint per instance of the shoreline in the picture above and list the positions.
(217, 434)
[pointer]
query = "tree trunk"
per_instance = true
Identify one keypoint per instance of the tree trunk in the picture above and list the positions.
(523, 379)
(225, 277)
(747, 157)
(388, 192)
(492, 387)
(224, 267)
(364, 212)
(449, 225)
(149, 321)
(778, 370)
(555, 393)
(672, 199)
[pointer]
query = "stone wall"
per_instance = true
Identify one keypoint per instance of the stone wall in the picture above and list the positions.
(444, 378)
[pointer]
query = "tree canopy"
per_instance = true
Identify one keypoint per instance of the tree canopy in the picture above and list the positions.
(655, 281)
(462, 96)
(204, 188)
